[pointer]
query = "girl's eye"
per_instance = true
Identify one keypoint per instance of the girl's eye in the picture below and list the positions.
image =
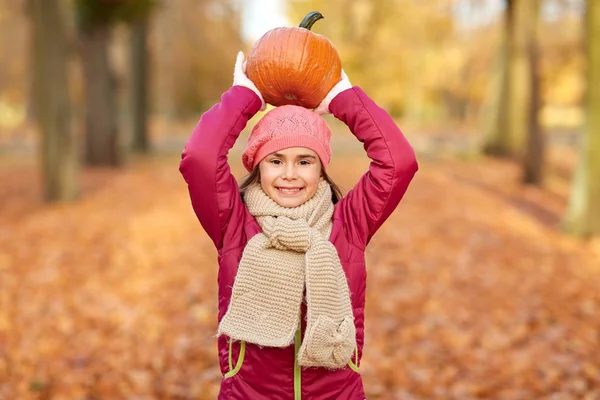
(304, 162)
(276, 162)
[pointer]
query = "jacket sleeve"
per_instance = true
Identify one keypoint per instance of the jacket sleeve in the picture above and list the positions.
(213, 189)
(392, 168)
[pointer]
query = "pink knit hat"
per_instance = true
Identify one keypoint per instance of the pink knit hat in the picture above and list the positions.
(285, 127)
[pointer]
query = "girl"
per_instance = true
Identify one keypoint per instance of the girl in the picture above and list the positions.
(291, 251)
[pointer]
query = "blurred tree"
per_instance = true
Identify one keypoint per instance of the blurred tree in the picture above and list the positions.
(53, 110)
(515, 131)
(497, 139)
(533, 160)
(139, 84)
(583, 214)
(95, 19)
(195, 44)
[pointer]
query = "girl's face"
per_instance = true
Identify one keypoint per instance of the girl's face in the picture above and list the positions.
(290, 176)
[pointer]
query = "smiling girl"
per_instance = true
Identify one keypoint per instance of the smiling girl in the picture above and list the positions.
(292, 275)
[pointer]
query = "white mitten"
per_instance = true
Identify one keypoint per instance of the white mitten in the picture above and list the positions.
(339, 87)
(240, 78)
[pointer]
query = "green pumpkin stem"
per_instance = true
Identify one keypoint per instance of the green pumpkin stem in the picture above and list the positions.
(310, 19)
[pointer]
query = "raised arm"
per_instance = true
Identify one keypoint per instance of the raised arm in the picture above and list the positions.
(392, 168)
(213, 190)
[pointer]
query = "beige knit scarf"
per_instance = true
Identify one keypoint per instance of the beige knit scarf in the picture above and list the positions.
(292, 252)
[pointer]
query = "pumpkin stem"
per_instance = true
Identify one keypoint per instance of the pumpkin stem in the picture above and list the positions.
(310, 19)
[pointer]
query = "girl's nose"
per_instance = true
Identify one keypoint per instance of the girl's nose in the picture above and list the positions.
(289, 172)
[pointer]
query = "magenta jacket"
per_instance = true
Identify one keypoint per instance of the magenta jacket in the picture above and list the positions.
(250, 372)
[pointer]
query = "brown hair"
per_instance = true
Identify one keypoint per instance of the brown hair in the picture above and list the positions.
(253, 178)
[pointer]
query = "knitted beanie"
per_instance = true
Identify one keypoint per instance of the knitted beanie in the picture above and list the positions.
(284, 127)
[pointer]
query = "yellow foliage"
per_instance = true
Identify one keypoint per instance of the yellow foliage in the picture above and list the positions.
(11, 115)
(417, 58)
(423, 63)
(13, 58)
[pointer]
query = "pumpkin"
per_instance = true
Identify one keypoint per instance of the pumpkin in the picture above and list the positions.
(292, 65)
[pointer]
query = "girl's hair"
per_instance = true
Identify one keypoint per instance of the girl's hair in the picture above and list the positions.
(254, 178)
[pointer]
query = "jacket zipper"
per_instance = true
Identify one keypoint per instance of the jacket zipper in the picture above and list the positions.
(297, 371)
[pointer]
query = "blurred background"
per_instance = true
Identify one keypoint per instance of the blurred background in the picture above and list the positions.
(482, 285)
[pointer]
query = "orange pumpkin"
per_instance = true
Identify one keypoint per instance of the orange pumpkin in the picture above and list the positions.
(293, 65)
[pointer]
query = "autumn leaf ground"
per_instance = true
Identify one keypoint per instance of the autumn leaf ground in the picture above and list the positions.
(473, 292)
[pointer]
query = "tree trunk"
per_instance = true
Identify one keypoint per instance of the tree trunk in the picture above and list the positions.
(102, 146)
(583, 215)
(164, 79)
(513, 109)
(496, 143)
(533, 162)
(520, 65)
(58, 148)
(139, 85)
(32, 82)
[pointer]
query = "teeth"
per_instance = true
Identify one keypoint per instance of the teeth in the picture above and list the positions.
(289, 190)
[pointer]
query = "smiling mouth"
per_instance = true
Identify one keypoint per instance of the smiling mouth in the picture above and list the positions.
(289, 191)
